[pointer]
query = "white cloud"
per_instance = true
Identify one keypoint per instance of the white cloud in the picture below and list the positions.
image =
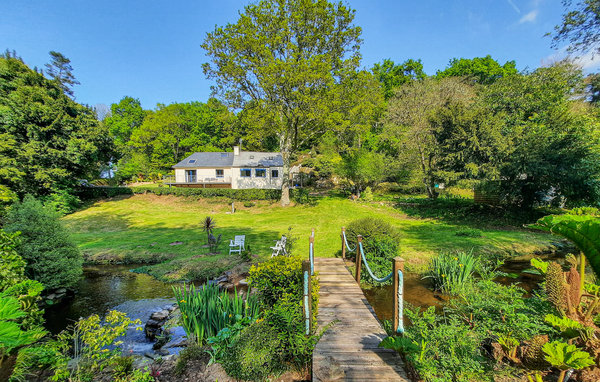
(588, 61)
(529, 18)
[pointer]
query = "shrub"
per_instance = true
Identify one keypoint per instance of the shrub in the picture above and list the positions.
(62, 202)
(255, 355)
(287, 319)
(91, 193)
(249, 204)
(444, 348)
(204, 312)
(450, 272)
(91, 354)
(277, 277)
(367, 195)
(380, 245)
(52, 257)
(12, 266)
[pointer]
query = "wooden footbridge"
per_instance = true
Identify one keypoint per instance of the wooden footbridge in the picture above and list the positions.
(348, 350)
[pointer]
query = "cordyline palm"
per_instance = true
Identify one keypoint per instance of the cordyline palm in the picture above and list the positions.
(208, 225)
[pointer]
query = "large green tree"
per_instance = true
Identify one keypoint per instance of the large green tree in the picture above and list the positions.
(286, 59)
(125, 116)
(414, 123)
(172, 132)
(47, 141)
(482, 70)
(392, 75)
(553, 135)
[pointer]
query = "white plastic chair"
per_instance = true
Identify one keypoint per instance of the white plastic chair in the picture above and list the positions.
(279, 247)
(238, 244)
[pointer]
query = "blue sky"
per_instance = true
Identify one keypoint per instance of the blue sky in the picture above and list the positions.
(151, 49)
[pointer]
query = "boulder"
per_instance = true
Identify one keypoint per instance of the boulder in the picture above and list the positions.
(160, 315)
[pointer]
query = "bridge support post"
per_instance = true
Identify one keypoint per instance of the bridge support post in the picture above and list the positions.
(343, 244)
(398, 269)
(358, 259)
(307, 298)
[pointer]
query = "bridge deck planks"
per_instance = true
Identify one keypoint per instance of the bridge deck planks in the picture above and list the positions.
(348, 351)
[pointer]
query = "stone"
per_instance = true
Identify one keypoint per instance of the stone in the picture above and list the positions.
(160, 315)
(51, 296)
(163, 352)
(243, 282)
(151, 355)
(176, 243)
(61, 291)
(153, 244)
(151, 323)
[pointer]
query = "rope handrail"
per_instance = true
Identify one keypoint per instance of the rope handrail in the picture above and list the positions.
(346, 242)
(380, 280)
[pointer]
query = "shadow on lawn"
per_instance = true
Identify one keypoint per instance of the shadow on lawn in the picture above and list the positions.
(466, 212)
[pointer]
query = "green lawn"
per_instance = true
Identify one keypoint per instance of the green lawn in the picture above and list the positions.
(141, 228)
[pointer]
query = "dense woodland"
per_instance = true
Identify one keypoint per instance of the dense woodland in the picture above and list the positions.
(530, 135)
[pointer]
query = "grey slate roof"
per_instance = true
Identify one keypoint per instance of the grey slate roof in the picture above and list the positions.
(245, 159)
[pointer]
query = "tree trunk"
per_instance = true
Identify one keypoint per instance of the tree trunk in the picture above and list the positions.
(285, 146)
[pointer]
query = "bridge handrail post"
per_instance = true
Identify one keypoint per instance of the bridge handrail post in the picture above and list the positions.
(398, 270)
(343, 243)
(307, 298)
(311, 252)
(358, 259)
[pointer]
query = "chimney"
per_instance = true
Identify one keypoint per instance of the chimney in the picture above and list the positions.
(236, 150)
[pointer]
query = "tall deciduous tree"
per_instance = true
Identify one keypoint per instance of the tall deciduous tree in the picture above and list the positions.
(286, 59)
(410, 122)
(61, 71)
(125, 117)
(482, 70)
(393, 75)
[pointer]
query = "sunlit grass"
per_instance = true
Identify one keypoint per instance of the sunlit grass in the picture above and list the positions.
(142, 228)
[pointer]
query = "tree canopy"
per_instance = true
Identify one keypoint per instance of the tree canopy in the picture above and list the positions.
(580, 26)
(61, 71)
(47, 141)
(286, 59)
(393, 75)
(482, 70)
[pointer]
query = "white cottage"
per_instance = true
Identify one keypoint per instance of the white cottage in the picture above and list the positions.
(238, 170)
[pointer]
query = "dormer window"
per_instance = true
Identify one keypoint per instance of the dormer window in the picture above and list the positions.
(192, 161)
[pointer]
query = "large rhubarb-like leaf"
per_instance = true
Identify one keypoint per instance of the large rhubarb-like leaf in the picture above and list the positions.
(583, 231)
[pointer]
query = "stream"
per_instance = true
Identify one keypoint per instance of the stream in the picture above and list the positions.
(114, 287)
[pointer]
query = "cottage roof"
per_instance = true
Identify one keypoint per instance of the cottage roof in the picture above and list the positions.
(221, 159)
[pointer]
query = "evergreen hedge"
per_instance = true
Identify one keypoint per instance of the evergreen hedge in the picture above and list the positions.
(239, 195)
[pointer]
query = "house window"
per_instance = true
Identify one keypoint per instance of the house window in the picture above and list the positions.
(219, 173)
(245, 173)
(192, 161)
(190, 176)
(274, 173)
(260, 173)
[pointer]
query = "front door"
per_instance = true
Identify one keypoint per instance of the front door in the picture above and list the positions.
(190, 176)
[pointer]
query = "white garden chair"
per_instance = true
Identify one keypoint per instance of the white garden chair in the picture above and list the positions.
(238, 244)
(279, 247)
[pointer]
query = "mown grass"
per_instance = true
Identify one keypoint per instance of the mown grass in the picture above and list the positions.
(141, 229)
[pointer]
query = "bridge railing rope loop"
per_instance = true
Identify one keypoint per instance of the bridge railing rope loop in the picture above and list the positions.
(397, 274)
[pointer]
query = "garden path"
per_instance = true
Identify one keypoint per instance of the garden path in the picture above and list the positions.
(348, 351)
